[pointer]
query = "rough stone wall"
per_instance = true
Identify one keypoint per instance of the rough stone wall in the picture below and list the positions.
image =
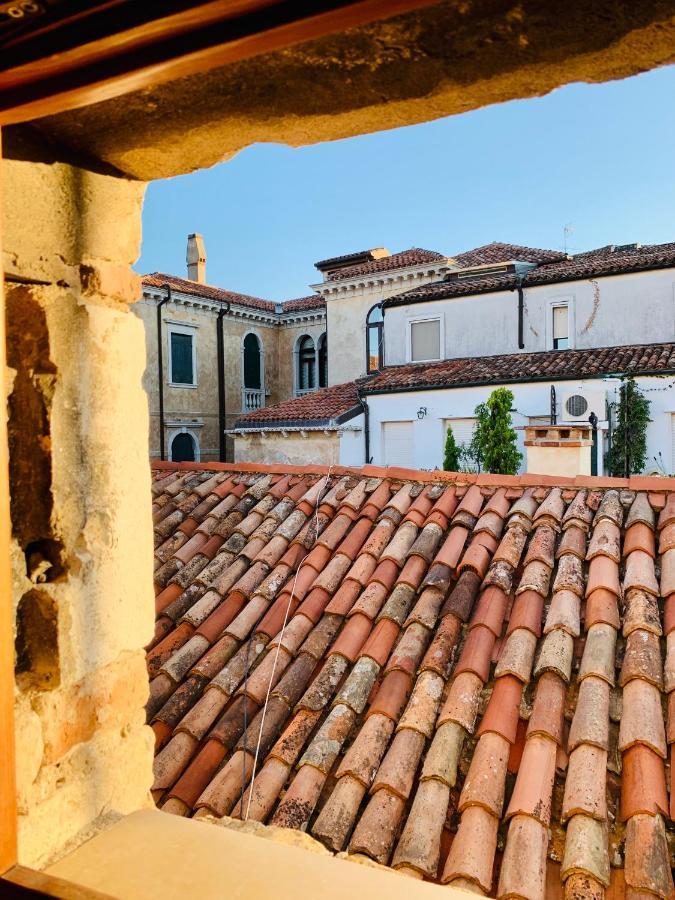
(80, 509)
(444, 59)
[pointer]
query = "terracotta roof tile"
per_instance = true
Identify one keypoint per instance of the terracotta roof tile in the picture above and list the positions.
(515, 367)
(209, 292)
(404, 694)
(415, 256)
(320, 407)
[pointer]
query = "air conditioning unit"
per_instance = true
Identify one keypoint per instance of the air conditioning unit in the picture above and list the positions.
(577, 406)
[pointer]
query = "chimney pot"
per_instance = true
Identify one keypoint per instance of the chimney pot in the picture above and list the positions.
(196, 258)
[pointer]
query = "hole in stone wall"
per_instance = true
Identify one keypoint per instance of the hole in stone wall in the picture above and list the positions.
(44, 561)
(37, 657)
(29, 432)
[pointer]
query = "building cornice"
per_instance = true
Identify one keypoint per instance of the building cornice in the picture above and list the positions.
(237, 310)
(332, 289)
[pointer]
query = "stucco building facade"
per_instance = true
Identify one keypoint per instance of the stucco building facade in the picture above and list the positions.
(223, 354)
(559, 331)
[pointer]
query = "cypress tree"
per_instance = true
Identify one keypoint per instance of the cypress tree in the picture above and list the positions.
(494, 440)
(451, 456)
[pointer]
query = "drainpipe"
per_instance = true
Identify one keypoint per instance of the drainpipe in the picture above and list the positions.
(221, 381)
(366, 424)
(160, 367)
(521, 312)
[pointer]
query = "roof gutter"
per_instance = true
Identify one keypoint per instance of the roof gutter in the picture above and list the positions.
(404, 300)
(366, 423)
(521, 311)
(222, 410)
(160, 368)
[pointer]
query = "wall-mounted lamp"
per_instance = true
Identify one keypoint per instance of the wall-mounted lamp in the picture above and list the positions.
(422, 412)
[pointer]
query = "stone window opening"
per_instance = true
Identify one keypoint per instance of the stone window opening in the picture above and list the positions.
(105, 484)
(306, 370)
(323, 360)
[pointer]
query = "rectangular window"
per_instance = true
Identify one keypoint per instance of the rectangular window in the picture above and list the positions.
(425, 340)
(561, 328)
(181, 349)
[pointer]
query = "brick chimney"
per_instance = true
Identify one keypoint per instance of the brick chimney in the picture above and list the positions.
(559, 449)
(196, 258)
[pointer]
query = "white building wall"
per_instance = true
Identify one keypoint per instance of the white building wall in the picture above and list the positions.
(530, 400)
(352, 443)
(635, 308)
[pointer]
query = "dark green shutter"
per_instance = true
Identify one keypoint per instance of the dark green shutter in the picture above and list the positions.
(181, 359)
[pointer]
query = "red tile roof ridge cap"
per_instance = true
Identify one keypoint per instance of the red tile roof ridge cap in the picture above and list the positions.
(657, 484)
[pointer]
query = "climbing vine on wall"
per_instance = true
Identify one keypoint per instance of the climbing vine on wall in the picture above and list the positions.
(628, 451)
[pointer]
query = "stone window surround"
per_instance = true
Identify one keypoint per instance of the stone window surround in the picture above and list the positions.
(173, 327)
(173, 429)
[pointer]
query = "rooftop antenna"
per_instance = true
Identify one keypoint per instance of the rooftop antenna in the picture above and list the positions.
(567, 231)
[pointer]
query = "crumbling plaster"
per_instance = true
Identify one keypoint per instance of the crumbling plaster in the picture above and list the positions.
(437, 61)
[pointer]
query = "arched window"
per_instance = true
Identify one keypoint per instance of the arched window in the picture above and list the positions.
(306, 364)
(252, 377)
(253, 373)
(183, 448)
(375, 339)
(323, 361)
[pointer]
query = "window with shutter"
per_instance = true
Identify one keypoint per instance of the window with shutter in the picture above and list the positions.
(425, 340)
(182, 358)
(561, 329)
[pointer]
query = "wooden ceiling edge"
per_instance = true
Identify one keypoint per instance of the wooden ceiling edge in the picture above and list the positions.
(127, 75)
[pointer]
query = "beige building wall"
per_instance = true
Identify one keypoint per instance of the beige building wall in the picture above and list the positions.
(290, 448)
(196, 408)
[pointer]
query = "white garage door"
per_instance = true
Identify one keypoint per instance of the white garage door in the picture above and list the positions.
(397, 438)
(461, 428)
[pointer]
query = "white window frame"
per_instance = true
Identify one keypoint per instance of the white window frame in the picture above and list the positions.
(571, 326)
(441, 337)
(191, 330)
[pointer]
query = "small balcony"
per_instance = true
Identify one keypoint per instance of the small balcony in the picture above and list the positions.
(300, 392)
(252, 399)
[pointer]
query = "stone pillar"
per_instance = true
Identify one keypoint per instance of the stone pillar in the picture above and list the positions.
(558, 449)
(80, 501)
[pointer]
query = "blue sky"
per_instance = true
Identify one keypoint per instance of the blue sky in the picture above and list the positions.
(597, 156)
